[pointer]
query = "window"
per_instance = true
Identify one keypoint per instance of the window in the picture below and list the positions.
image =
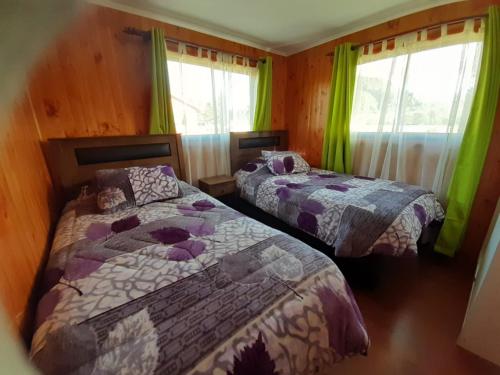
(424, 92)
(411, 105)
(211, 97)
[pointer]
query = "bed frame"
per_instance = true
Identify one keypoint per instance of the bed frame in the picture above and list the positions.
(246, 146)
(73, 161)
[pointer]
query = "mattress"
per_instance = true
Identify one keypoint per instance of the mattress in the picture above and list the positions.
(189, 286)
(355, 215)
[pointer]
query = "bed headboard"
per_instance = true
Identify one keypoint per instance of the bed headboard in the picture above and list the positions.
(246, 146)
(73, 161)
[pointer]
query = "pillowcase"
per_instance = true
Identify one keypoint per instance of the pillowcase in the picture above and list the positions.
(288, 163)
(119, 189)
(114, 191)
(153, 184)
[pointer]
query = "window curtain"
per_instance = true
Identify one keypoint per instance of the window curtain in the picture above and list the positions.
(411, 106)
(477, 136)
(336, 143)
(161, 118)
(262, 119)
(212, 95)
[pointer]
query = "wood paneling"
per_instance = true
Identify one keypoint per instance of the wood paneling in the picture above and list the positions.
(309, 75)
(26, 210)
(93, 81)
(96, 79)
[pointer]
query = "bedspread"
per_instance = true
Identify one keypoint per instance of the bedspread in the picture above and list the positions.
(189, 286)
(355, 215)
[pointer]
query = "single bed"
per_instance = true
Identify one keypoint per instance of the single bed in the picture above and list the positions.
(185, 285)
(354, 215)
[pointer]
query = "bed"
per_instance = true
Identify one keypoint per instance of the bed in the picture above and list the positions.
(185, 285)
(353, 215)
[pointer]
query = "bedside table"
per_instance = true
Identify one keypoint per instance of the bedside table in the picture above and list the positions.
(220, 187)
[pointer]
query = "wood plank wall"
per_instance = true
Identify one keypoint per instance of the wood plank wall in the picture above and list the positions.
(96, 80)
(27, 210)
(309, 75)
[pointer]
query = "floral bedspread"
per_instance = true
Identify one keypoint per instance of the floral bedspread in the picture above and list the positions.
(355, 215)
(189, 286)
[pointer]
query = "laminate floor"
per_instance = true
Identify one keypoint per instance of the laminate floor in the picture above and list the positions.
(413, 309)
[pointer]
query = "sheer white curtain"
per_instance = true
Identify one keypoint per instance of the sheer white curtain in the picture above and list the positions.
(212, 95)
(411, 106)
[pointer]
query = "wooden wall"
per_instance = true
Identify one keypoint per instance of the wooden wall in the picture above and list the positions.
(96, 79)
(26, 210)
(309, 76)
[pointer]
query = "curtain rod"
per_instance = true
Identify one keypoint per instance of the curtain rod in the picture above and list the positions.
(146, 36)
(434, 26)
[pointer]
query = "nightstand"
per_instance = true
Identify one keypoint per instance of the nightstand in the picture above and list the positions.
(220, 187)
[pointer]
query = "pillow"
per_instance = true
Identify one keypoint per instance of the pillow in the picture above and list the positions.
(119, 189)
(114, 191)
(289, 163)
(153, 184)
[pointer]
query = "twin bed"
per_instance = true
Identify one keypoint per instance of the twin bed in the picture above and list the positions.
(189, 285)
(353, 215)
(182, 285)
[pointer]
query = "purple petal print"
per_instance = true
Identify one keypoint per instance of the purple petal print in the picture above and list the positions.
(346, 331)
(384, 249)
(170, 235)
(186, 250)
(283, 193)
(365, 178)
(96, 231)
(125, 224)
(46, 306)
(78, 268)
(50, 278)
(254, 359)
(203, 205)
(278, 166)
(281, 181)
(312, 206)
(296, 186)
(307, 222)
(420, 214)
(168, 170)
(249, 167)
(179, 255)
(327, 175)
(203, 229)
(339, 187)
(288, 163)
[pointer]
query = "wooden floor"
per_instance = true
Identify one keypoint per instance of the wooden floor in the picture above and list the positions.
(413, 309)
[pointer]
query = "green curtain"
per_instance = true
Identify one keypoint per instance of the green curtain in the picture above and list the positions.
(475, 143)
(161, 118)
(336, 142)
(262, 117)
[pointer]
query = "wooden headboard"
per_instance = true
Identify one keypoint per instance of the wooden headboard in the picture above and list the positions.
(246, 146)
(74, 161)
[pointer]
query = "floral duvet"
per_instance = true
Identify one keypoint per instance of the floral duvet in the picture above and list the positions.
(355, 215)
(189, 286)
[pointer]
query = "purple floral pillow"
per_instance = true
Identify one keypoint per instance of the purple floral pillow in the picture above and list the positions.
(288, 163)
(153, 184)
(118, 189)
